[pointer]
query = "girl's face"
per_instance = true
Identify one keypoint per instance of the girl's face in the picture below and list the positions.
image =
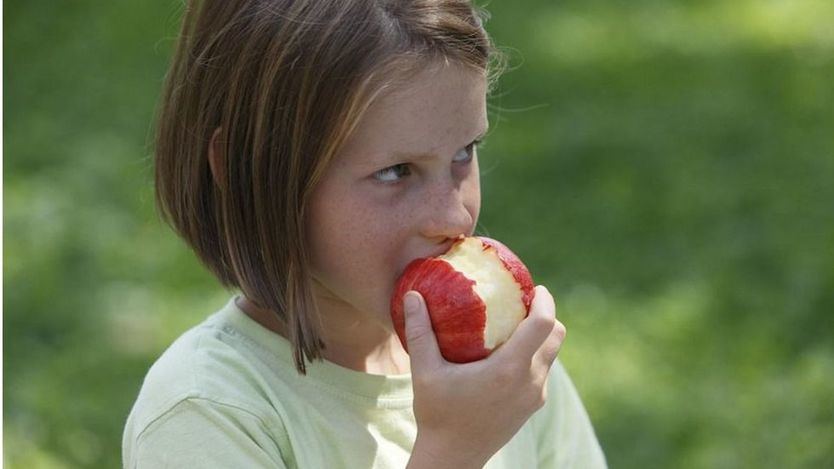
(405, 185)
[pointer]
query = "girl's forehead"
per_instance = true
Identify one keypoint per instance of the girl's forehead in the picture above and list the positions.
(440, 106)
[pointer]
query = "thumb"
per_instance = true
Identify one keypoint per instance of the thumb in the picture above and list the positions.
(422, 344)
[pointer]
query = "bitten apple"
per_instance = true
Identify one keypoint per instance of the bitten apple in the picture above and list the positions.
(476, 294)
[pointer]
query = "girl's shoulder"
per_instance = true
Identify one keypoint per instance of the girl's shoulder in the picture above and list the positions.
(201, 403)
(213, 363)
(563, 429)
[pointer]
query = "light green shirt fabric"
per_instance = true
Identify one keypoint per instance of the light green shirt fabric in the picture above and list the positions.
(226, 395)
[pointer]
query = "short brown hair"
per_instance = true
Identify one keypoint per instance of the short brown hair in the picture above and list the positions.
(286, 81)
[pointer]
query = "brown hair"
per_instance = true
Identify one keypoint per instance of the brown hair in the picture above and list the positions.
(286, 81)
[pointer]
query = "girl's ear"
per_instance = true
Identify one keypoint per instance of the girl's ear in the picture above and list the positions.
(217, 158)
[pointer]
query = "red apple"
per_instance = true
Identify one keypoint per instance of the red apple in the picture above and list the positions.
(476, 294)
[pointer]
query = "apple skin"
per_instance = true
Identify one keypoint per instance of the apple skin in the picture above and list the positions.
(458, 314)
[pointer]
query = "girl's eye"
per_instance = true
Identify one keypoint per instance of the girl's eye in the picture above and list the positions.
(393, 173)
(466, 153)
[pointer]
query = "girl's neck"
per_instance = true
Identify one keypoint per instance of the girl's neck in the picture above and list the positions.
(352, 343)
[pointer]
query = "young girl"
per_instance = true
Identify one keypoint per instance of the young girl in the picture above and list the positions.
(307, 151)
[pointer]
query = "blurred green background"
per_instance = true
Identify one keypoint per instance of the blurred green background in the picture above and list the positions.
(665, 167)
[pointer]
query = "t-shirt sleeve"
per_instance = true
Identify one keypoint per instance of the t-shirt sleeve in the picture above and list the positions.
(200, 433)
(565, 437)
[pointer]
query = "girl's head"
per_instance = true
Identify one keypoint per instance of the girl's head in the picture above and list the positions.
(308, 149)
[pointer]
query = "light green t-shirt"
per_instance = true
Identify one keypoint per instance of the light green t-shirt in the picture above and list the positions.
(226, 395)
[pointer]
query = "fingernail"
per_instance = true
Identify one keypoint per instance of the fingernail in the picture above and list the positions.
(411, 303)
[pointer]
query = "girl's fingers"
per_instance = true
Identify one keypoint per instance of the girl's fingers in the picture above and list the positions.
(536, 328)
(547, 353)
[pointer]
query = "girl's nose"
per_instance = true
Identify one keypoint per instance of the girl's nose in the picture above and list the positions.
(449, 212)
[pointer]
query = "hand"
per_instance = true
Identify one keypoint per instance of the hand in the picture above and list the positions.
(467, 412)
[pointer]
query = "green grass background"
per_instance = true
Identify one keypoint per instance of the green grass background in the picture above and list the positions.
(666, 168)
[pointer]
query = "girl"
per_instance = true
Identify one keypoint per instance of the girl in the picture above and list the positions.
(307, 151)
